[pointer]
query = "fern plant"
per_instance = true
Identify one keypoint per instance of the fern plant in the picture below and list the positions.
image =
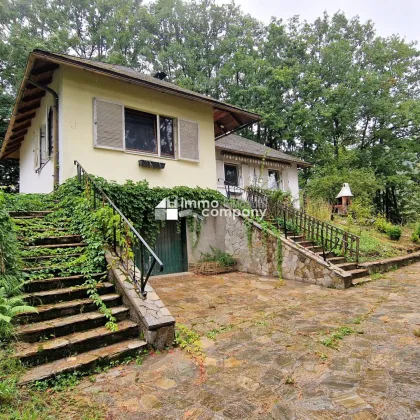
(11, 306)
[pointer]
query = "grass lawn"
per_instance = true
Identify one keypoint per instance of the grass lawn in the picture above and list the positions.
(375, 245)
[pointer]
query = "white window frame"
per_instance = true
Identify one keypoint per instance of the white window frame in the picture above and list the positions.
(95, 125)
(36, 151)
(237, 172)
(198, 141)
(158, 154)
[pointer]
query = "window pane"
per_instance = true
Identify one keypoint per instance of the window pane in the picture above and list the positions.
(140, 131)
(167, 136)
(231, 174)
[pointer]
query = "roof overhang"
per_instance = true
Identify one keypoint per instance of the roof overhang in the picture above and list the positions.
(258, 158)
(27, 102)
(40, 68)
(255, 159)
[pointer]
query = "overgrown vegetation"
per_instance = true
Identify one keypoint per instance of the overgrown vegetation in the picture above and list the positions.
(11, 279)
(223, 258)
(19, 403)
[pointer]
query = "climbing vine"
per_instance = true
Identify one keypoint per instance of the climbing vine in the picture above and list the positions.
(279, 255)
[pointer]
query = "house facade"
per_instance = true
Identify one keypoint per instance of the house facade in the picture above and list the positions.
(118, 123)
(242, 162)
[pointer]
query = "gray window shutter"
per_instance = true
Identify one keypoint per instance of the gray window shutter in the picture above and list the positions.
(108, 125)
(188, 140)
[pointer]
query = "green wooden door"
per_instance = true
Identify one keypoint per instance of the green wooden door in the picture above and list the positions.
(171, 248)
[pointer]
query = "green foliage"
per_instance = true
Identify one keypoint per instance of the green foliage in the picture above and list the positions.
(137, 202)
(381, 224)
(394, 233)
(216, 331)
(329, 180)
(223, 258)
(9, 249)
(415, 237)
(333, 339)
(11, 280)
(188, 340)
(29, 202)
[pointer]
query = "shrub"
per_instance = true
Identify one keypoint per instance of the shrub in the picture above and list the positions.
(381, 224)
(415, 237)
(394, 232)
(10, 278)
(217, 255)
(360, 210)
(318, 208)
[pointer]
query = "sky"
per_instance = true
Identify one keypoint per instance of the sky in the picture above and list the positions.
(389, 16)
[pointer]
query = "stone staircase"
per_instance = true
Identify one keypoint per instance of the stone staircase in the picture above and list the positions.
(68, 333)
(339, 261)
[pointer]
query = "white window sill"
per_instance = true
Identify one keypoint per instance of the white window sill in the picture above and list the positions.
(153, 155)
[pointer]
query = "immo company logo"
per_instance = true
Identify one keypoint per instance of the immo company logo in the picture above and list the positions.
(167, 209)
(176, 208)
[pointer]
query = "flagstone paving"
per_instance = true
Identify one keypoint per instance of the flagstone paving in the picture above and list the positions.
(264, 357)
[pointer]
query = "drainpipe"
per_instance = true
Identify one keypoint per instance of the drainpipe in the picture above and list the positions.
(55, 127)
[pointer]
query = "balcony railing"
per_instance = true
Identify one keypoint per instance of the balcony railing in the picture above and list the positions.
(133, 251)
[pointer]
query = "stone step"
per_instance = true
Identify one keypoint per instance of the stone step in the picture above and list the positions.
(361, 281)
(348, 266)
(74, 245)
(55, 283)
(67, 308)
(315, 248)
(63, 326)
(84, 361)
(360, 272)
(50, 257)
(46, 229)
(38, 353)
(337, 260)
(29, 214)
(57, 240)
(298, 238)
(307, 244)
(328, 255)
(66, 294)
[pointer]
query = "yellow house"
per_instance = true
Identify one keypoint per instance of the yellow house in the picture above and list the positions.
(118, 123)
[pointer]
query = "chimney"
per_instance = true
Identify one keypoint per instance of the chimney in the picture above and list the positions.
(161, 75)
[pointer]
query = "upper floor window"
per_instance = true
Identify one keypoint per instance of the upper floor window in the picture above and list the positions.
(120, 128)
(140, 131)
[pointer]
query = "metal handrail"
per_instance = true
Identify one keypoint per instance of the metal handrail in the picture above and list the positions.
(82, 175)
(328, 236)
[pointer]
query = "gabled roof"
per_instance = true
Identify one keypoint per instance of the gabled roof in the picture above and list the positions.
(40, 69)
(243, 146)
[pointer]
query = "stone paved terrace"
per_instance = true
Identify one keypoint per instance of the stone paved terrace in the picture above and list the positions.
(269, 362)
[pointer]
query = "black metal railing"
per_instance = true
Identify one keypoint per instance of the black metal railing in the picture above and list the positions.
(296, 223)
(133, 251)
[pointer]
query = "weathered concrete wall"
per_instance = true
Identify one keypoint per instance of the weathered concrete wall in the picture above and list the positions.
(212, 234)
(261, 255)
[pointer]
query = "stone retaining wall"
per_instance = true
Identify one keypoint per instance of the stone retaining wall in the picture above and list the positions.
(265, 253)
(390, 263)
(151, 314)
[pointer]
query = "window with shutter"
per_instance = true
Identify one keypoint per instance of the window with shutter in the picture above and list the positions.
(188, 140)
(108, 125)
(36, 143)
